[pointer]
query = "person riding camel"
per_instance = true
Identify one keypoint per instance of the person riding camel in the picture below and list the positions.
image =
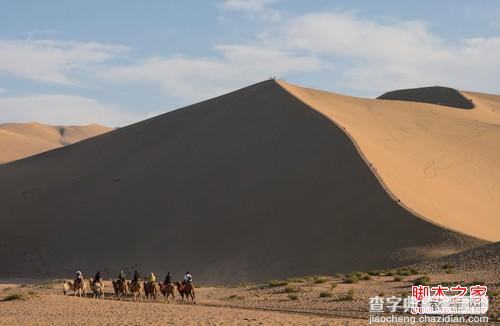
(152, 278)
(122, 276)
(98, 278)
(187, 278)
(137, 276)
(79, 275)
(168, 278)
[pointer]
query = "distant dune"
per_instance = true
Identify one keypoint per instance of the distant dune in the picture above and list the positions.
(440, 162)
(247, 186)
(19, 140)
(433, 95)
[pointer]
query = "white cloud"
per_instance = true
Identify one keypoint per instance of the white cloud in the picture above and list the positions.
(65, 110)
(52, 61)
(193, 79)
(379, 57)
(246, 5)
(369, 57)
(252, 9)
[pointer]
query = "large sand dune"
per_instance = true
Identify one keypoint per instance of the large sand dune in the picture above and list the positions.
(441, 162)
(251, 185)
(19, 140)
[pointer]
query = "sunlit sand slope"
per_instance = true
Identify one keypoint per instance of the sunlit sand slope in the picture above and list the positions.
(440, 162)
(19, 140)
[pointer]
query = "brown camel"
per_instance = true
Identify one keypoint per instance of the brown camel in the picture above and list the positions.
(97, 288)
(79, 287)
(167, 290)
(186, 289)
(136, 289)
(151, 290)
(120, 288)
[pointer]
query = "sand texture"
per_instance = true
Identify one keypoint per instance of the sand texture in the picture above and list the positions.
(440, 162)
(248, 186)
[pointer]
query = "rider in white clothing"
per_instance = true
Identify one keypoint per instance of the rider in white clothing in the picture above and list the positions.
(188, 278)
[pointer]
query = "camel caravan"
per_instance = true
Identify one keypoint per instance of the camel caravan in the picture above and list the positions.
(136, 288)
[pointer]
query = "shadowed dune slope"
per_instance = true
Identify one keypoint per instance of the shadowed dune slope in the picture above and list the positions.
(433, 95)
(442, 163)
(481, 258)
(251, 185)
(19, 140)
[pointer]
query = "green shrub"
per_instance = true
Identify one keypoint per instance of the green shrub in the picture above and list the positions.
(350, 279)
(276, 283)
(325, 294)
(398, 279)
(447, 266)
(367, 277)
(423, 280)
(296, 280)
(290, 289)
(338, 275)
(319, 280)
(374, 273)
(334, 285)
(403, 272)
(15, 296)
(293, 297)
(358, 274)
(448, 271)
(389, 273)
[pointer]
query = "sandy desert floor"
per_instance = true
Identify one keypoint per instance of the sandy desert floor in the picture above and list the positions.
(314, 300)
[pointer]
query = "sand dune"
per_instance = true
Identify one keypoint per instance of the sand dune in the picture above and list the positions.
(19, 140)
(434, 95)
(441, 162)
(251, 185)
(481, 259)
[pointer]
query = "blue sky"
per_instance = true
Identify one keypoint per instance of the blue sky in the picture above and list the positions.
(117, 62)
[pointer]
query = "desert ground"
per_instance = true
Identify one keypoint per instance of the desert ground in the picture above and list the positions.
(20, 140)
(310, 300)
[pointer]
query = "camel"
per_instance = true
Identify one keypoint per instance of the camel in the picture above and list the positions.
(120, 288)
(151, 290)
(136, 289)
(167, 290)
(186, 289)
(79, 287)
(67, 286)
(97, 288)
